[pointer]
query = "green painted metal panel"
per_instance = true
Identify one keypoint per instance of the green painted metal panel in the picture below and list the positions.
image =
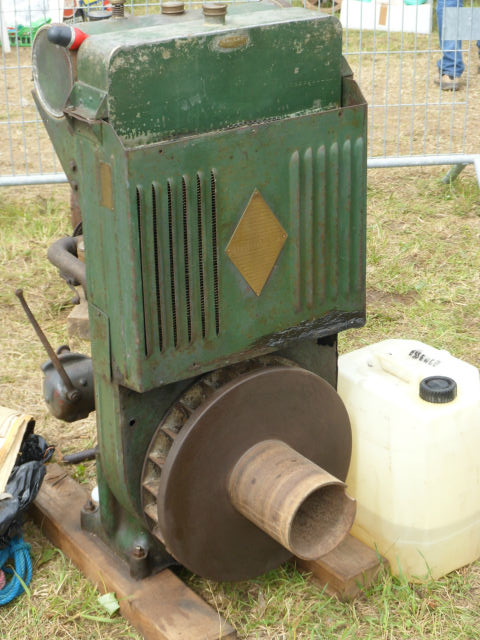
(182, 78)
(174, 310)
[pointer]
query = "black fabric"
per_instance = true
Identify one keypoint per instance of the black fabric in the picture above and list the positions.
(23, 485)
(35, 448)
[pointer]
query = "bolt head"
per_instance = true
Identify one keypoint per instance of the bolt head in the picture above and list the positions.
(138, 552)
(74, 396)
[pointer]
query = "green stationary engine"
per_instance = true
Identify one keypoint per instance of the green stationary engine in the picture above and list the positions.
(220, 162)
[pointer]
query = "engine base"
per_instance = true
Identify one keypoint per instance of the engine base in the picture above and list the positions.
(160, 607)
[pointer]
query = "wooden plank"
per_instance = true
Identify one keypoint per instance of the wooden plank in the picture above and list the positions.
(346, 570)
(160, 607)
(77, 321)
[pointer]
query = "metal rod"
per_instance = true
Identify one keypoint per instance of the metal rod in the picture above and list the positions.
(80, 456)
(426, 161)
(453, 173)
(72, 393)
(372, 163)
(34, 178)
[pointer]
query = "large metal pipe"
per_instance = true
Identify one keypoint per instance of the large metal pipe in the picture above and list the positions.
(293, 500)
(63, 254)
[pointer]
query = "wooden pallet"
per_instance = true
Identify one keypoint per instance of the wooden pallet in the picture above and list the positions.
(160, 607)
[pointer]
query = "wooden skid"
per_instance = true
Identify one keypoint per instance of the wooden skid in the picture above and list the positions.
(77, 321)
(160, 607)
(346, 570)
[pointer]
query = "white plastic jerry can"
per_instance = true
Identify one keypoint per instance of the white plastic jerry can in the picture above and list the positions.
(415, 470)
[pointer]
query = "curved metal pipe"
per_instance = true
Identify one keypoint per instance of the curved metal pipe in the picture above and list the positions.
(63, 255)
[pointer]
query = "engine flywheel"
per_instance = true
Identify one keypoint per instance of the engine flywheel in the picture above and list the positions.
(195, 448)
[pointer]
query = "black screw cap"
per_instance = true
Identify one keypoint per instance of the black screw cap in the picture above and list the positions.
(438, 389)
(60, 34)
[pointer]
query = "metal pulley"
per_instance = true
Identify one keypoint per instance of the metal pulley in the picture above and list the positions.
(254, 474)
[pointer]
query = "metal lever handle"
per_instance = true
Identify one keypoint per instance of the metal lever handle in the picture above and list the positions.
(73, 394)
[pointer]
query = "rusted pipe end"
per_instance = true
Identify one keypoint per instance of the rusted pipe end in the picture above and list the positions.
(293, 500)
(321, 522)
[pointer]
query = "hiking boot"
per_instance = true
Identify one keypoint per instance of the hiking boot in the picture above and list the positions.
(448, 83)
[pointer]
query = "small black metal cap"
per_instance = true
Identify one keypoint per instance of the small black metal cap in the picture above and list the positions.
(60, 34)
(438, 389)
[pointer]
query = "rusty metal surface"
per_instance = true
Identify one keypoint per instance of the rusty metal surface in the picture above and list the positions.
(293, 500)
(175, 419)
(106, 186)
(72, 393)
(201, 528)
(75, 212)
(173, 8)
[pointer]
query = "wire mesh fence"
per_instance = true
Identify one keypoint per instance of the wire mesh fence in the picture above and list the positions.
(392, 47)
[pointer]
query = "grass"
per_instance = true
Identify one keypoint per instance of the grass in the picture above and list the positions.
(423, 282)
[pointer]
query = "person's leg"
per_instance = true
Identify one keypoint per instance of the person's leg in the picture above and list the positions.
(451, 63)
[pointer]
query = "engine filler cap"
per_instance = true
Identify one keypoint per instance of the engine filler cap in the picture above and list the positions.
(438, 389)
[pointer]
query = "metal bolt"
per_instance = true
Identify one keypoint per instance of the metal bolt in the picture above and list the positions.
(73, 165)
(173, 8)
(138, 551)
(74, 395)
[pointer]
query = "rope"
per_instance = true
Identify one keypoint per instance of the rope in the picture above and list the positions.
(19, 552)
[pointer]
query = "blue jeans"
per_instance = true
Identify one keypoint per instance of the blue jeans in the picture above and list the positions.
(451, 63)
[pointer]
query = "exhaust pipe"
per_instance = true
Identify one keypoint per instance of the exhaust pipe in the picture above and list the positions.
(290, 498)
(63, 255)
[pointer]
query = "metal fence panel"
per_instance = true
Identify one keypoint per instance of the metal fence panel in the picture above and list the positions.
(391, 45)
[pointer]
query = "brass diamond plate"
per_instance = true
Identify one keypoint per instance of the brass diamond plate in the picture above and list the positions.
(256, 243)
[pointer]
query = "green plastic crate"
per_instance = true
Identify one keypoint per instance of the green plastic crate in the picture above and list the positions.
(23, 36)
